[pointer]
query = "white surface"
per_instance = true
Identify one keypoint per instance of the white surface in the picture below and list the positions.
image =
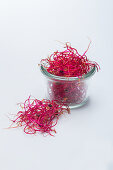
(28, 30)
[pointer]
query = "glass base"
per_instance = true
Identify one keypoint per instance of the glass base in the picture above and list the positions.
(79, 105)
(74, 106)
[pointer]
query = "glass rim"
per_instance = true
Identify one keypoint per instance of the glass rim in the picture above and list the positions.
(52, 76)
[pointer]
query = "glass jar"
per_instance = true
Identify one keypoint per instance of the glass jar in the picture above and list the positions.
(72, 91)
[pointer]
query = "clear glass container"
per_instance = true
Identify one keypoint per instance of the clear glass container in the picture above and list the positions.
(68, 90)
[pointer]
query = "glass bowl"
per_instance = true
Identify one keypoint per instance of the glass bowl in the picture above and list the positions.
(72, 91)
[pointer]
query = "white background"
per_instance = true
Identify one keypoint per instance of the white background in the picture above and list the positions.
(28, 33)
